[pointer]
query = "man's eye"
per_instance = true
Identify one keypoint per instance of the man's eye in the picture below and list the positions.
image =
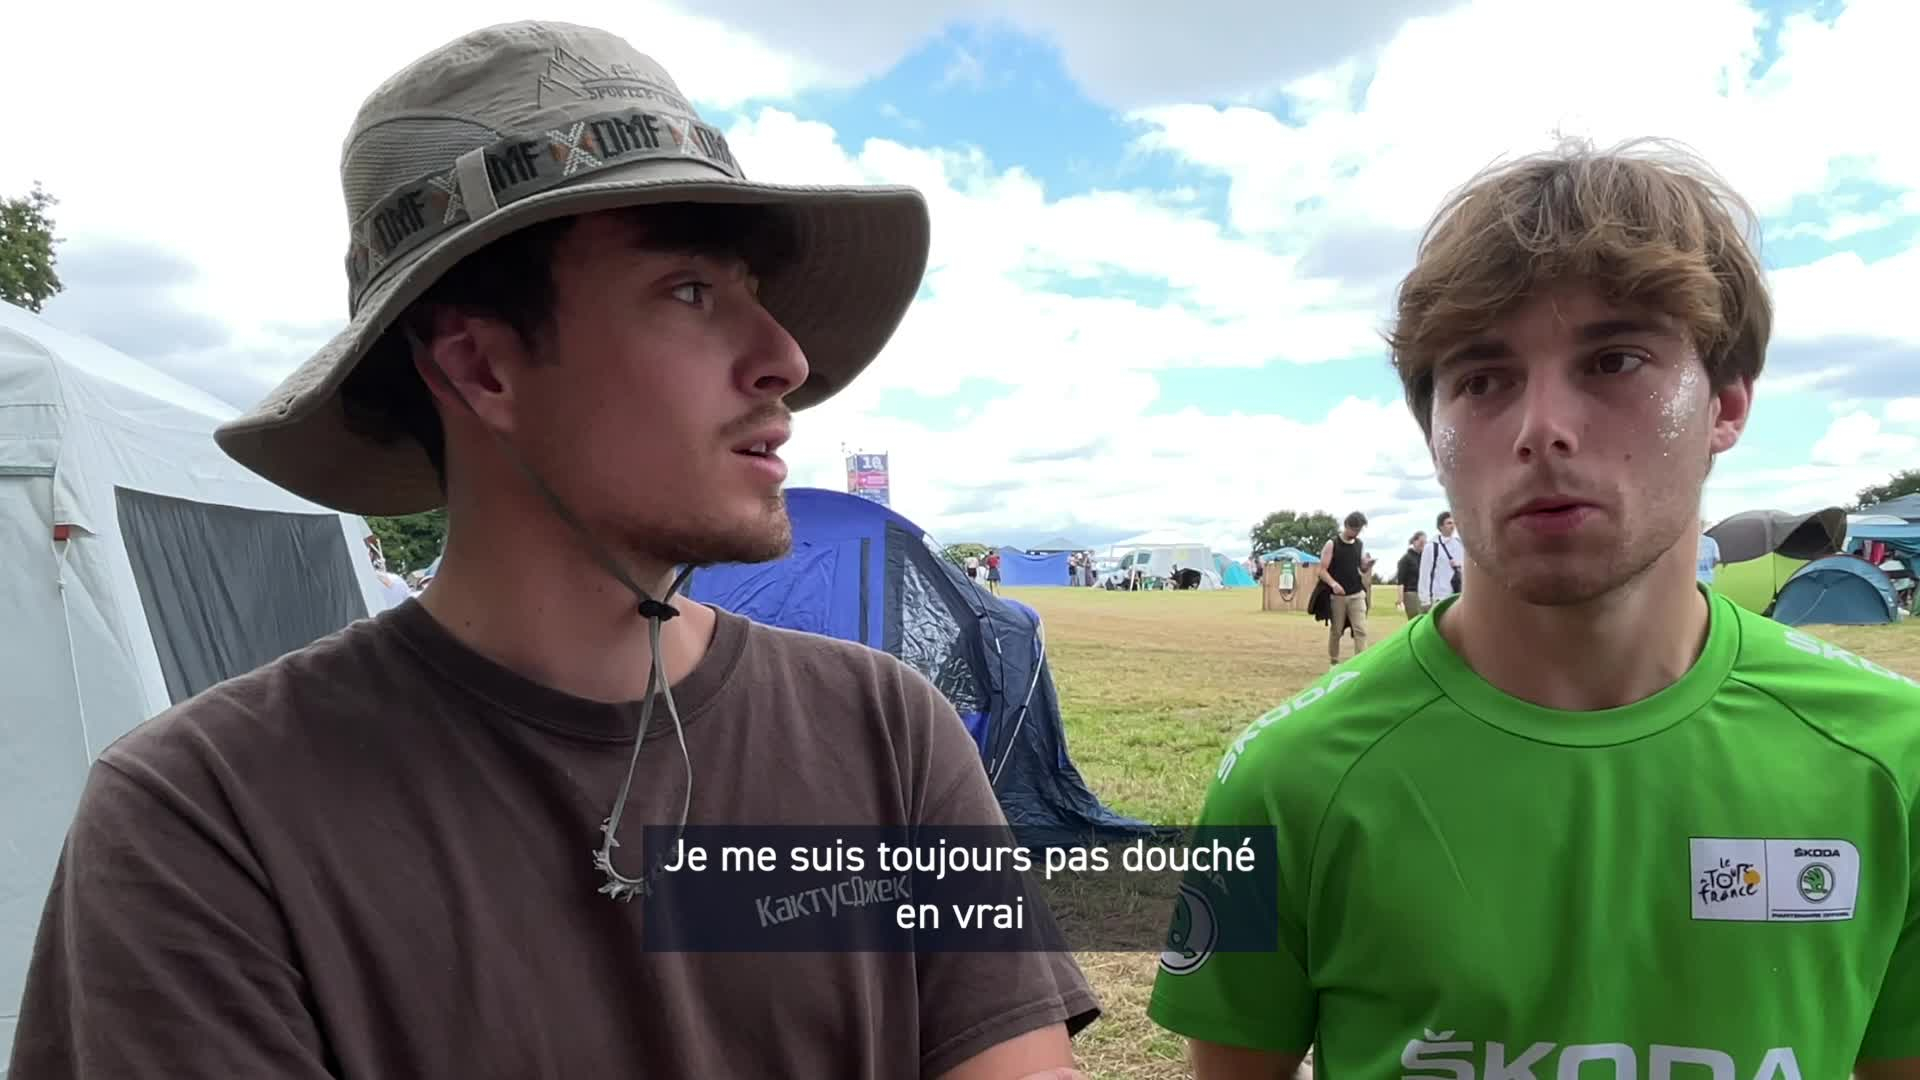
(1475, 385)
(1617, 363)
(693, 292)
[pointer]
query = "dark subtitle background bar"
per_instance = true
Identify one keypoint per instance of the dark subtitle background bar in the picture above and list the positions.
(789, 888)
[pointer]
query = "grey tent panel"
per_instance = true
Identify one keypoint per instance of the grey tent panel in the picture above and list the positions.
(228, 589)
(1754, 533)
(1906, 507)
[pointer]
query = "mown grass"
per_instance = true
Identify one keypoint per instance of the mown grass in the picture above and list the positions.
(1155, 685)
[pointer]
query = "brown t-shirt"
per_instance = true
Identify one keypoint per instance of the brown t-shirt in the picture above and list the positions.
(374, 858)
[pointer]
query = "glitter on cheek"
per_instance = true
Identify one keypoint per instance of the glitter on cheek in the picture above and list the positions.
(1678, 411)
(1446, 447)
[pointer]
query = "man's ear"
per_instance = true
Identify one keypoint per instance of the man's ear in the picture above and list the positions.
(1731, 406)
(467, 364)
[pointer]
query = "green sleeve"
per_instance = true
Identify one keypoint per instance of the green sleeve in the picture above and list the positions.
(1894, 1028)
(1262, 1000)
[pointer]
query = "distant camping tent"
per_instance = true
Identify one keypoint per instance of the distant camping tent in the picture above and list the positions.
(1157, 559)
(1906, 507)
(142, 565)
(1232, 574)
(1891, 542)
(1898, 539)
(862, 572)
(1290, 554)
(1018, 569)
(1762, 549)
(1837, 590)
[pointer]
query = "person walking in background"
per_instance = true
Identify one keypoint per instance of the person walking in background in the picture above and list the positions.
(1709, 556)
(1441, 563)
(993, 572)
(1407, 575)
(1339, 567)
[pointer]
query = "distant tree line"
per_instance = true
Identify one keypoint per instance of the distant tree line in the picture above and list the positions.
(1904, 482)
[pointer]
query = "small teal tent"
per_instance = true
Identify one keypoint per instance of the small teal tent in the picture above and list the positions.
(1293, 553)
(1232, 574)
(1837, 590)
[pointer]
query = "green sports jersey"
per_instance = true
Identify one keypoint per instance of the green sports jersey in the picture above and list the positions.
(1716, 883)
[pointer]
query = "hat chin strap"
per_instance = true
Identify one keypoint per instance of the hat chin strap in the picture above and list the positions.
(618, 886)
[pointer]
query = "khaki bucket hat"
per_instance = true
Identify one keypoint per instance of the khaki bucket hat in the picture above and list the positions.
(520, 123)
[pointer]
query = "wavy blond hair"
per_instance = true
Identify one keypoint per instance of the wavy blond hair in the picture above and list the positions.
(1646, 222)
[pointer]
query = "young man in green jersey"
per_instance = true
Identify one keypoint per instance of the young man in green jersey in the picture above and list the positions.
(1586, 820)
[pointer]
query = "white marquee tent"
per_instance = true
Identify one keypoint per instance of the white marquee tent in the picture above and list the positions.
(1156, 554)
(141, 565)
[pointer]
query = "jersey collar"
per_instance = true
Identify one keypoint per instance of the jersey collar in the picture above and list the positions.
(1601, 727)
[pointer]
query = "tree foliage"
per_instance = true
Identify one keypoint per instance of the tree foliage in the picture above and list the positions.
(1290, 528)
(27, 275)
(958, 554)
(1905, 482)
(412, 541)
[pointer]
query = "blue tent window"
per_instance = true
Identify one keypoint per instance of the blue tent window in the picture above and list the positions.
(931, 641)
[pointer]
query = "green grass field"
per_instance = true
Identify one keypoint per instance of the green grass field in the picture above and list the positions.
(1154, 685)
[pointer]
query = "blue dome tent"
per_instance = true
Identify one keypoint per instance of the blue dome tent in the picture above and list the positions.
(1836, 590)
(1021, 570)
(862, 572)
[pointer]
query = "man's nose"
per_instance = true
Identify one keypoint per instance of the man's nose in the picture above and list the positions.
(1552, 413)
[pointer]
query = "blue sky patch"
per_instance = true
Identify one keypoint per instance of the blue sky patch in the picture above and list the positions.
(1301, 391)
(993, 88)
(1866, 212)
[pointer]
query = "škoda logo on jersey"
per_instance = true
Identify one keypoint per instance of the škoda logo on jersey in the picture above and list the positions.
(1306, 698)
(1441, 1055)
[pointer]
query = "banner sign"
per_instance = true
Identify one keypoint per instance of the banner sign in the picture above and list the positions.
(867, 477)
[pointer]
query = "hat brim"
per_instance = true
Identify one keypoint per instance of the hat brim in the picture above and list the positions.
(859, 254)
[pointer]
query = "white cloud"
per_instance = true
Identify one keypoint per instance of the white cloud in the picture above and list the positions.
(1212, 477)
(1072, 438)
(1856, 450)
(1001, 245)
(1799, 488)
(1843, 295)
(1455, 92)
(1122, 55)
(1083, 303)
(217, 132)
(1857, 439)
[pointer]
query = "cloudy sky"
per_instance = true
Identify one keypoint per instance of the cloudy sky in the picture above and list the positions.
(1190, 226)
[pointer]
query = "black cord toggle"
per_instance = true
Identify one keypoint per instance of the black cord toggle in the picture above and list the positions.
(654, 609)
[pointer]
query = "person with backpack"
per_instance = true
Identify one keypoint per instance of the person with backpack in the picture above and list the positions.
(1440, 563)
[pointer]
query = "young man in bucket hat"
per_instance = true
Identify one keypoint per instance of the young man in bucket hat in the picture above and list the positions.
(399, 851)
(1585, 818)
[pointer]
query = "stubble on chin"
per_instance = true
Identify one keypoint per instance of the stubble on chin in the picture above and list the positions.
(763, 536)
(1577, 576)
